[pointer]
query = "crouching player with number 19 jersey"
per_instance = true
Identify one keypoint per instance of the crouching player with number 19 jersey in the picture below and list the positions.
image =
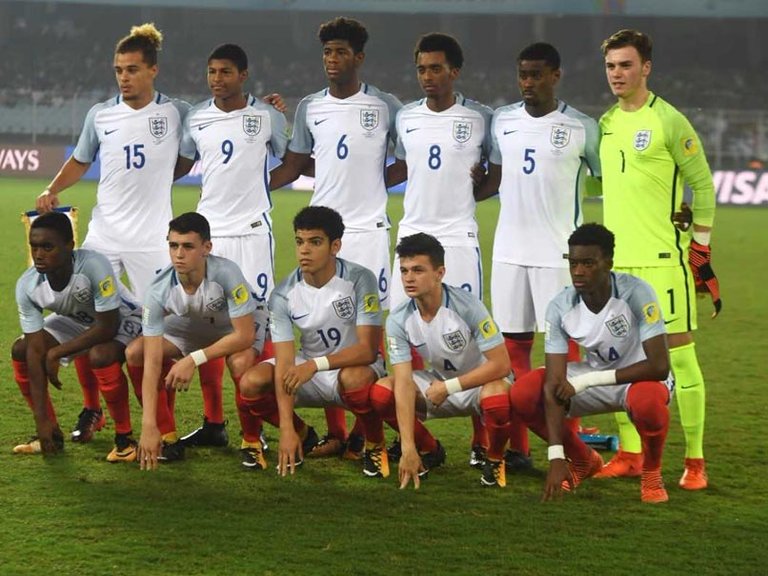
(335, 306)
(88, 317)
(455, 334)
(616, 318)
(198, 309)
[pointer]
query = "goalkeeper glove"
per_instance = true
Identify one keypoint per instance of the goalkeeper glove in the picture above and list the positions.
(700, 260)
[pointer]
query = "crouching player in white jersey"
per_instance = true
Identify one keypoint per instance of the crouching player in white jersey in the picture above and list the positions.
(455, 334)
(198, 309)
(335, 306)
(617, 319)
(87, 317)
(233, 134)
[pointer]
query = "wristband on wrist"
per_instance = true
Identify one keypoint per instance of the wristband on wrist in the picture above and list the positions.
(452, 385)
(598, 378)
(555, 452)
(198, 357)
(322, 363)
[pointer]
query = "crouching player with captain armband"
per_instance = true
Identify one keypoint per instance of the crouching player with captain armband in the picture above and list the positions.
(616, 319)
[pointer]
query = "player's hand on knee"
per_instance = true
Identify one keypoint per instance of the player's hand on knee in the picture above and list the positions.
(180, 374)
(47, 201)
(437, 392)
(700, 260)
(564, 392)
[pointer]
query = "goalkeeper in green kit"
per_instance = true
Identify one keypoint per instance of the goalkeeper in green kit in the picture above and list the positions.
(648, 150)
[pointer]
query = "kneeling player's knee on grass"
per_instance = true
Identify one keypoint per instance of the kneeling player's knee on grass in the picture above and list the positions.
(258, 380)
(355, 377)
(19, 350)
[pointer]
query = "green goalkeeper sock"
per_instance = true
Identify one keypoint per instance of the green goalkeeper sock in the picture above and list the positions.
(690, 396)
(629, 439)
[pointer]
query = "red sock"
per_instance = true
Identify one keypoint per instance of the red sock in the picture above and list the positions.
(359, 402)
(21, 375)
(574, 352)
(88, 382)
(647, 407)
(264, 406)
(211, 377)
(496, 415)
(479, 433)
(526, 398)
(383, 401)
(166, 420)
(357, 428)
(114, 387)
(250, 423)
(519, 355)
(337, 422)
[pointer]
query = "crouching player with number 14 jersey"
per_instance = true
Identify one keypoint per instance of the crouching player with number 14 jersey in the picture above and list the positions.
(88, 318)
(452, 330)
(616, 318)
(335, 306)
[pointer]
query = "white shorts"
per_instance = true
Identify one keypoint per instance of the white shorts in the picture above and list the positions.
(370, 249)
(463, 269)
(140, 267)
(323, 388)
(601, 399)
(465, 403)
(520, 295)
(64, 328)
(254, 254)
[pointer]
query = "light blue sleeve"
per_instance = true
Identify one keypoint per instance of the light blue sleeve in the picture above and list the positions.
(228, 275)
(88, 142)
(487, 140)
(555, 338)
(104, 286)
(399, 147)
(280, 325)
(187, 148)
(394, 106)
(279, 139)
(153, 309)
(645, 308)
(592, 147)
(398, 347)
(495, 152)
(30, 314)
(367, 297)
(301, 139)
(484, 329)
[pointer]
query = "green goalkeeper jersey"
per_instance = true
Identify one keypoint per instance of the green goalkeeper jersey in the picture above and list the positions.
(646, 156)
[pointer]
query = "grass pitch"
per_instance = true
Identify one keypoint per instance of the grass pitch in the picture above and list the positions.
(77, 514)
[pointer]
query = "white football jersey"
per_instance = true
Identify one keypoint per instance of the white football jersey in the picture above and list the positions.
(452, 342)
(92, 288)
(440, 149)
(348, 138)
(544, 163)
(327, 317)
(138, 151)
(612, 338)
(224, 294)
(234, 150)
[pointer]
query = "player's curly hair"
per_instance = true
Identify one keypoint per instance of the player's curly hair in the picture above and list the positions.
(347, 29)
(56, 221)
(320, 218)
(439, 42)
(146, 39)
(593, 234)
(421, 244)
(231, 52)
(626, 37)
(191, 222)
(541, 51)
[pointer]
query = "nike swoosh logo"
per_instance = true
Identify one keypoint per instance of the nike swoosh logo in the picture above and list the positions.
(320, 121)
(419, 345)
(108, 132)
(204, 126)
(409, 130)
(607, 133)
(686, 387)
(509, 132)
(299, 317)
(668, 322)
